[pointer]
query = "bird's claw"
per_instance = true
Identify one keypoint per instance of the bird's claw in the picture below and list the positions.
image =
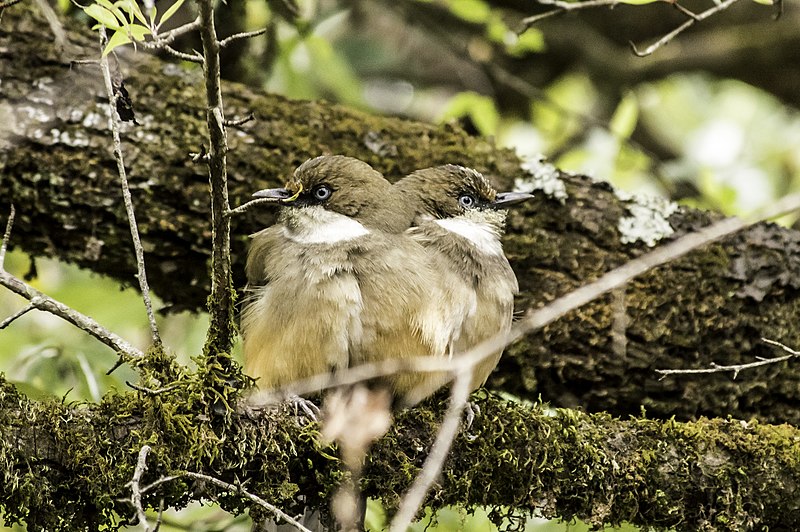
(308, 407)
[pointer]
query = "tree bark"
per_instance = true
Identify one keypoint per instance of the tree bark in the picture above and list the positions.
(713, 306)
(722, 475)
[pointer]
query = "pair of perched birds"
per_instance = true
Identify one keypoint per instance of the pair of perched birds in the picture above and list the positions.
(357, 270)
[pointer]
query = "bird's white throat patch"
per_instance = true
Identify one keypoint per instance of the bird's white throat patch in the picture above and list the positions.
(485, 237)
(317, 225)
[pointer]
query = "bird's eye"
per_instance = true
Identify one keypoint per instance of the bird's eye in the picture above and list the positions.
(466, 200)
(322, 192)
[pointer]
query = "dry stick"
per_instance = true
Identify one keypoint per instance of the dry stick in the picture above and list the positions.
(220, 332)
(735, 368)
(683, 27)
(7, 235)
(536, 319)
(136, 492)
(244, 35)
(126, 193)
(246, 206)
(415, 496)
(562, 7)
(255, 498)
(18, 314)
(42, 302)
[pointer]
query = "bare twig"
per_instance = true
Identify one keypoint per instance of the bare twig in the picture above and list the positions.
(85, 323)
(415, 496)
(244, 35)
(158, 482)
(734, 368)
(136, 492)
(18, 314)
(619, 327)
(126, 193)
(240, 121)
(173, 34)
(7, 235)
(221, 332)
(246, 206)
(183, 56)
(59, 35)
(150, 391)
(721, 6)
(255, 498)
(562, 6)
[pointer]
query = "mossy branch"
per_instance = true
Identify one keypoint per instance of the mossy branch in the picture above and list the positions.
(704, 475)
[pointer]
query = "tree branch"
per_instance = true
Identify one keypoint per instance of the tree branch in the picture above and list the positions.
(714, 474)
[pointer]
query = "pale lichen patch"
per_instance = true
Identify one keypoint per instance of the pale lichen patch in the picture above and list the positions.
(648, 218)
(542, 176)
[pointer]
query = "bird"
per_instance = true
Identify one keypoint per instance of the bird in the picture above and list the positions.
(336, 282)
(459, 219)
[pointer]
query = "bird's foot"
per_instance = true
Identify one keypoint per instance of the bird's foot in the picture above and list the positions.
(310, 410)
(470, 411)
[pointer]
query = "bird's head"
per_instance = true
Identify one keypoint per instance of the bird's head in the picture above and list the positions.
(339, 184)
(451, 191)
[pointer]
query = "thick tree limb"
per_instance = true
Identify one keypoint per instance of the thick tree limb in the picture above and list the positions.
(704, 475)
(715, 305)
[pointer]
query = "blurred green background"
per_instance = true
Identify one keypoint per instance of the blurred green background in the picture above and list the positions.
(701, 133)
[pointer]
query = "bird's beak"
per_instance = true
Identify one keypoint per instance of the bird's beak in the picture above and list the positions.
(509, 199)
(279, 195)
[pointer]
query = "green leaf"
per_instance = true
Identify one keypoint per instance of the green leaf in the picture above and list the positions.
(132, 7)
(114, 9)
(476, 11)
(138, 32)
(170, 11)
(103, 16)
(625, 117)
(119, 38)
(765, 2)
(480, 109)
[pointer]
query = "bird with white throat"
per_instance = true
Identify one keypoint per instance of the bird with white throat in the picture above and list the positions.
(459, 219)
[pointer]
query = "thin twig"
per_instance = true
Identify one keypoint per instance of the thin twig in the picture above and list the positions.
(240, 121)
(158, 482)
(150, 391)
(244, 35)
(183, 56)
(415, 496)
(136, 492)
(246, 206)
(126, 193)
(562, 6)
(9, 3)
(221, 331)
(7, 235)
(18, 314)
(85, 323)
(735, 368)
(173, 34)
(255, 498)
(683, 27)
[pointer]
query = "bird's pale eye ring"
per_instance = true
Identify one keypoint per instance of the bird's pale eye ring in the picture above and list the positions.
(467, 201)
(322, 192)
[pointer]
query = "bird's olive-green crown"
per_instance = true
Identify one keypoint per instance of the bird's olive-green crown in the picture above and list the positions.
(348, 186)
(447, 191)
